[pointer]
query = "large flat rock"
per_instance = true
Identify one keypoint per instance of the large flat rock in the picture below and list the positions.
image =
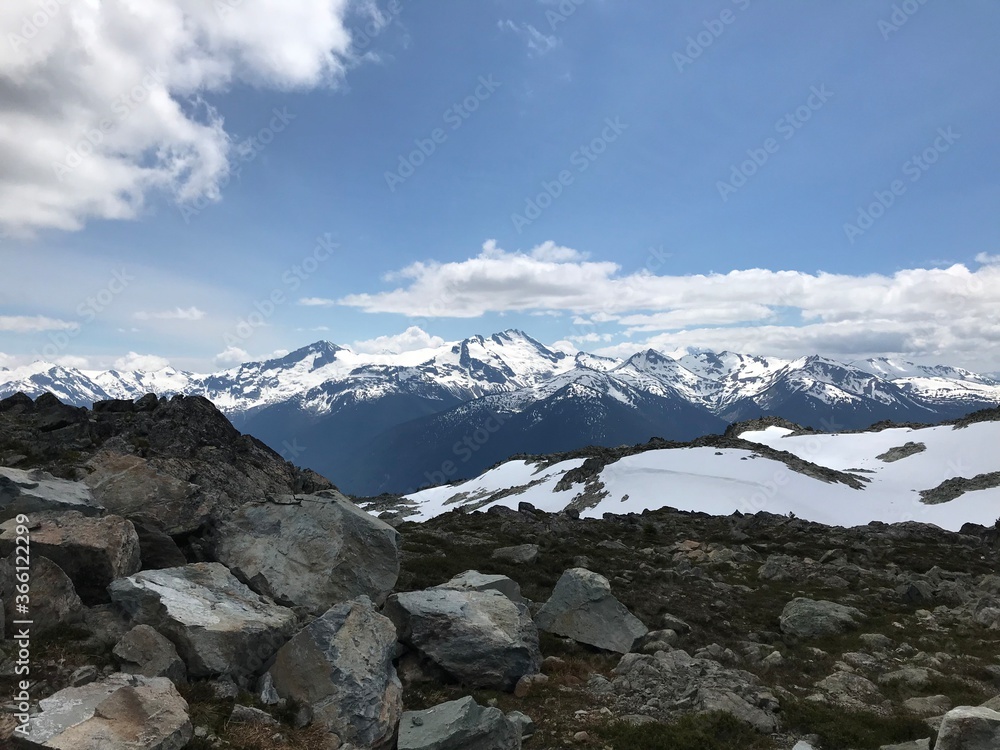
(34, 491)
(219, 626)
(458, 725)
(120, 712)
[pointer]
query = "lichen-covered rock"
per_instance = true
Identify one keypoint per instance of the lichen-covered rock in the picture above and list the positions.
(669, 683)
(340, 665)
(810, 618)
(849, 689)
(219, 626)
(521, 554)
(582, 608)
(969, 728)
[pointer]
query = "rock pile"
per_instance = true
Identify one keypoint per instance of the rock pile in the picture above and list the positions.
(200, 576)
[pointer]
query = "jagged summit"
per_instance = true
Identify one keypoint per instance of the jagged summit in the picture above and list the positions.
(351, 406)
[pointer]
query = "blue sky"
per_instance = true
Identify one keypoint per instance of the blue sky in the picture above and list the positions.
(782, 178)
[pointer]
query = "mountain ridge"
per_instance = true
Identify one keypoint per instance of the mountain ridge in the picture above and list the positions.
(349, 408)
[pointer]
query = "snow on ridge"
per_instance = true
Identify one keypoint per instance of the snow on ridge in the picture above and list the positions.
(729, 480)
(510, 362)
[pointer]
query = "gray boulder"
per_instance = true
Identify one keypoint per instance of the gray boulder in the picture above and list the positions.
(850, 689)
(969, 728)
(91, 551)
(219, 626)
(35, 491)
(458, 725)
(53, 603)
(124, 483)
(250, 715)
(524, 723)
(312, 551)
(480, 638)
(120, 712)
(521, 554)
(914, 677)
(668, 684)
(809, 618)
(930, 705)
(473, 580)
(157, 549)
(144, 651)
(340, 665)
(582, 608)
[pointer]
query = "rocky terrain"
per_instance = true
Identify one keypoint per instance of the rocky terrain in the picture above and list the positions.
(191, 589)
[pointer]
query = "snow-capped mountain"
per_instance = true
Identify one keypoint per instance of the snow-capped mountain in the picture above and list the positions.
(420, 415)
(948, 475)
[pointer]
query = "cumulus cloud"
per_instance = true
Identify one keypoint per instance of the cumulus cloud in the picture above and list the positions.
(34, 324)
(232, 355)
(412, 338)
(104, 102)
(933, 312)
(719, 315)
(317, 302)
(74, 362)
(144, 362)
(986, 259)
(178, 313)
(538, 43)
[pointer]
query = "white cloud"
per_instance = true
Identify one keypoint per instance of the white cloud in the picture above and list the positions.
(495, 280)
(409, 340)
(144, 362)
(590, 338)
(720, 315)
(944, 313)
(317, 302)
(567, 347)
(34, 324)
(232, 355)
(190, 313)
(103, 101)
(987, 260)
(77, 363)
(538, 43)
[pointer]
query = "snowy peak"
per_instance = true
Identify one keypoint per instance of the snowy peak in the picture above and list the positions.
(321, 377)
(899, 369)
(318, 354)
(595, 361)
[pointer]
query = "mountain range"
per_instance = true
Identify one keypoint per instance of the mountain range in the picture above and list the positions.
(393, 423)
